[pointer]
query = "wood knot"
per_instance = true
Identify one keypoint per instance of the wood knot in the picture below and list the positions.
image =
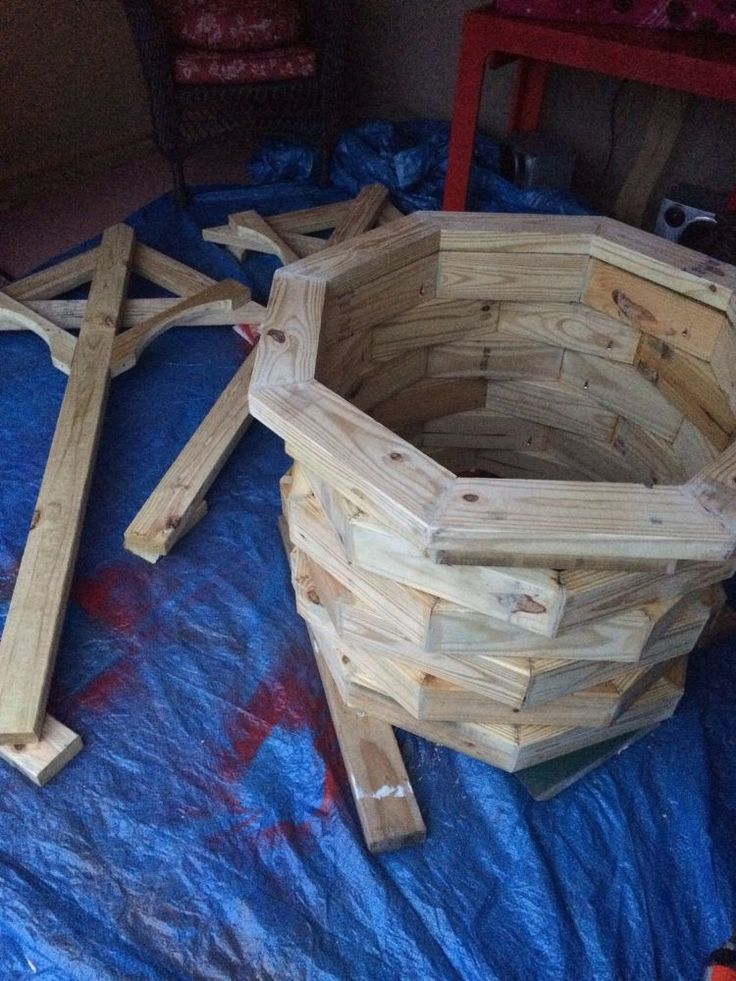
(278, 335)
(173, 521)
(630, 310)
(525, 604)
(313, 597)
(470, 498)
(35, 519)
(395, 456)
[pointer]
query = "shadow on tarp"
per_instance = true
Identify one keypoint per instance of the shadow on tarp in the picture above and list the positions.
(206, 831)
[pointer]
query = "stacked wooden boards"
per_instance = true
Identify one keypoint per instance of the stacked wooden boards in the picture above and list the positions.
(512, 497)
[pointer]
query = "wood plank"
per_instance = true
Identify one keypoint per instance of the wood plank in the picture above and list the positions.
(177, 502)
(562, 524)
(691, 386)
(59, 278)
(510, 276)
(573, 326)
(553, 403)
(656, 460)
(168, 273)
(346, 447)
(667, 264)
(484, 232)
(257, 233)
(623, 390)
(433, 322)
(129, 345)
(306, 220)
(683, 323)
(715, 487)
(660, 135)
(723, 362)
(389, 378)
(362, 214)
(60, 343)
(692, 449)
(484, 429)
(429, 398)
(499, 357)
(398, 289)
(31, 634)
(40, 761)
(529, 465)
(70, 313)
(382, 792)
(290, 332)
(304, 245)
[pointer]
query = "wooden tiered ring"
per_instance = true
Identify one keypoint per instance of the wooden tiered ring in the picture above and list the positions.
(590, 366)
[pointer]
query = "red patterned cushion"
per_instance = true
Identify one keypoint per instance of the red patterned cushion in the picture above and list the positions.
(231, 25)
(217, 67)
(713, 16)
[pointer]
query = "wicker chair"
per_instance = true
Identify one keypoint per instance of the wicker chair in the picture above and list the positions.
(187, 115)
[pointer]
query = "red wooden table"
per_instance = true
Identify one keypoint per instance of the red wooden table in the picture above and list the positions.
(699, 64)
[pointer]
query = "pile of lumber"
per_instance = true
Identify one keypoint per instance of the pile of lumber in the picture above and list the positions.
(511, 504)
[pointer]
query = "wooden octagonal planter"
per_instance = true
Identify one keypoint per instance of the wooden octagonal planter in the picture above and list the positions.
(514, 486)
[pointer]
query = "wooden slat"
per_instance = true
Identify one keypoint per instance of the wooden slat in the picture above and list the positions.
(500, 357)
(566, 523)
(429, 398)
(177, 502)
(715, 487)
(256, 233)
(59, 278)
(288, 347)
(382, 792)
(655, 458)
(683, 323)
(389, 378)
(168, 273)
(31, 635)
(70, 313)
(128, 346)
(60, 343)
(546, 234)
(553, 403)
(624, 390)
(510, 276)
(433, 322)
(484, 429)
(691, 386)
(362, 214)
(40, 761)
(573, 326)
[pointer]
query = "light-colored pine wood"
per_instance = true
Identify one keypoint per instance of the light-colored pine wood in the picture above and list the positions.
(484, 429)
(573, 326)
(382, 792)
(168, 273)
(714, 487)
(60, 343)
(623, 390)
(429, 398)
(692, 449)
(225, 296)
(257, 233)
(70, 313)
(59, 278)
(433, 322)
(177, 502)
(32, 629)
(510, 276)
(609, 525)
(683, 323)
(690, 385)
(483, 232)
(553, 403)
(657, 460)
(689, 273)
(389, 378)
(723, 361)
(362, 214)
(41, 760)
(287, 350)
(500, 357)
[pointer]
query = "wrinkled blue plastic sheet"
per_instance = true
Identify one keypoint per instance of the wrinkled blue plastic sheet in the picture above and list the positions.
(207, 831)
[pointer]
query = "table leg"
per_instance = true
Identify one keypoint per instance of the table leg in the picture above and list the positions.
(464, 121)
(526, 104)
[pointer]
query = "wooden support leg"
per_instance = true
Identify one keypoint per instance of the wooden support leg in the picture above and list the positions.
(526, 104)
(31, 635)
(40, 761)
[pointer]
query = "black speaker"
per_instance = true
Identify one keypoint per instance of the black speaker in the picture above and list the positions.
(688, 215)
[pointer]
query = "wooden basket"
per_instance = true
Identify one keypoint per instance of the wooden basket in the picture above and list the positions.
(514, 480)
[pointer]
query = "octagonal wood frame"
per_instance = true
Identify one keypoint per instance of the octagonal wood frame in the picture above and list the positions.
(318, 315)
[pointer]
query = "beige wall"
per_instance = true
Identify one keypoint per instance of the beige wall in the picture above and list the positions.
(71, 88)
(70, 83)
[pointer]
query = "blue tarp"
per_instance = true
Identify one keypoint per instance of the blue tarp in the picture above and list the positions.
(207, 831)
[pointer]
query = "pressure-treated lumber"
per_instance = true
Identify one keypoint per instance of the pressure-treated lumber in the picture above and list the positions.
(41, 760)
(60, 343)
(56, 279)
(383, 795)
(31, 634)
(177, 502)
(362, 214)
